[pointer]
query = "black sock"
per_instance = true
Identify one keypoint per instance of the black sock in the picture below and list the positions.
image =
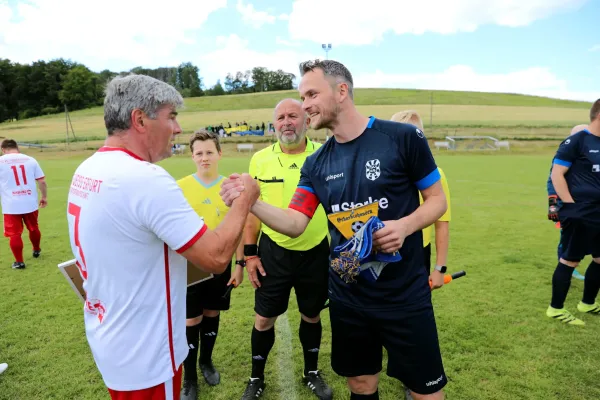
(591, 283)
(262, 343)
(374, 396)
(310, 337)
(561, 282)
(209, 329)
(189, 364)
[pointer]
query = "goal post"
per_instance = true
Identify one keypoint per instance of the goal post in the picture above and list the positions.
(477, 143)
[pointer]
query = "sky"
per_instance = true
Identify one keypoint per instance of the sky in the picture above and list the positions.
(540, 47)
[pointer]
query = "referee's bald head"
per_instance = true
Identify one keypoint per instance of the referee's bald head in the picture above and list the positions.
(578, 128)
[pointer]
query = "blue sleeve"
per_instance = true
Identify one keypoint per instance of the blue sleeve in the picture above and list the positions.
(305, 199)
(422, 169)
(568, 151)
(550, 186)
(305, 180)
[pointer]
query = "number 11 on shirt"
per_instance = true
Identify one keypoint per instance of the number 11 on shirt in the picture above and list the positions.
(16, 173)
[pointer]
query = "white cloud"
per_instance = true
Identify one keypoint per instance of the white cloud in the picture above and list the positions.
(285, 42)
(284, 17)
(595, 48)
(234, 55)
(534, 81)
(113, 30)
(252, 16)
(366, 22)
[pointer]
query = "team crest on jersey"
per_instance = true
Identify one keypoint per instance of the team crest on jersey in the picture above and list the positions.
(373, 169)
(420, 133)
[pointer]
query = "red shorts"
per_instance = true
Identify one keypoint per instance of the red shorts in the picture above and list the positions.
(165, 391)
(13, 223)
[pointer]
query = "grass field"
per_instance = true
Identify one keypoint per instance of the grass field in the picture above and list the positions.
(496, 341)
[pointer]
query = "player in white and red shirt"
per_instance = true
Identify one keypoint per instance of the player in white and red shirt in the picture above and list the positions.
(131, 231)
(19, 174)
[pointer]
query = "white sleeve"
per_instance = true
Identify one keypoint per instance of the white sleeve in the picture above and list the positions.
(38, 173)
(166, 212)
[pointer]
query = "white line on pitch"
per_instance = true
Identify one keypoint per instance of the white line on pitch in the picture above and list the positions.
(284, 359)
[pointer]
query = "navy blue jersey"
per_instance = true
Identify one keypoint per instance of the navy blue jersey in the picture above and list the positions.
(581, 154)
(389, 163)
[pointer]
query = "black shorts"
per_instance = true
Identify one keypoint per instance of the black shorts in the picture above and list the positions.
(427, 258)
(358, 337)
(208, 295)
(580, 233)
(305, 271)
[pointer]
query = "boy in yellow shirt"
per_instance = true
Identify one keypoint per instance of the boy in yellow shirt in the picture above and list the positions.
(205, 300)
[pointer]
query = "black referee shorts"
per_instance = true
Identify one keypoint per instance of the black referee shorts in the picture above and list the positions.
(305, 271)
(358, 337)
(208, 295)
(580, 236)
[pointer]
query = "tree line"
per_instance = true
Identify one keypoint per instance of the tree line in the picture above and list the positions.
(45, 87)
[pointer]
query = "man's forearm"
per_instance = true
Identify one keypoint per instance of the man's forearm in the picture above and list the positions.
(442, 241)
(285, 221)
(229, 232)
(251, 230)
(561, 187)
(428, 213)
(43, 189)
(239, 252)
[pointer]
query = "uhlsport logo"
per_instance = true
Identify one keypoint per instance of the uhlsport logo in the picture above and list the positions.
(345, 206)
(373, 169)
(438, 380)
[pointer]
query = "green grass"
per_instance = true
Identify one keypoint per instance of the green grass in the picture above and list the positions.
(496, 341)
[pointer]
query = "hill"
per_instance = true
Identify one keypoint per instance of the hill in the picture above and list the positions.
(516, 115)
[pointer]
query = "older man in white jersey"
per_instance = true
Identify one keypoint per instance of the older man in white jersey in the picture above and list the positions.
(19, 174)
(131, 231)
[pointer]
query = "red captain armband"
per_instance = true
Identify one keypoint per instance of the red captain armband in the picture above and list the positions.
(304, 200)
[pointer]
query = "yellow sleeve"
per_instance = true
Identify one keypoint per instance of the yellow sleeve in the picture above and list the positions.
(252, 168)
(448, 215)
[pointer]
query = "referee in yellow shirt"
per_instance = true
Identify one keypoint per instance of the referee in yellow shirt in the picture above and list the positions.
(204, 301)
(277, 263)
(442, 231)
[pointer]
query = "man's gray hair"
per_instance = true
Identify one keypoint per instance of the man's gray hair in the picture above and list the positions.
(127, 93)
(332, 68)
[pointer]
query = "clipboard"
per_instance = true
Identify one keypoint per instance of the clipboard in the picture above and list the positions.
(73, 277)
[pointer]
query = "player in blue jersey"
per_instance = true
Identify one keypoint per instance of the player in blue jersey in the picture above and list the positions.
(369, 160)
(576, 179)
(554, 202)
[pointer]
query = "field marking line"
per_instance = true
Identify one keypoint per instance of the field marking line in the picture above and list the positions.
(284, 359)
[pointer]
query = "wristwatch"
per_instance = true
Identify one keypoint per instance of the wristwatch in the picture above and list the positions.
(240, 262)
(442, 268)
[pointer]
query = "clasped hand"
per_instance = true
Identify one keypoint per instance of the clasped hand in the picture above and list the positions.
(239, 186)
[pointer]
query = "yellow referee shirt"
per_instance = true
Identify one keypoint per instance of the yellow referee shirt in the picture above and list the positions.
(446, 217)
(204, 199)
(278, 175)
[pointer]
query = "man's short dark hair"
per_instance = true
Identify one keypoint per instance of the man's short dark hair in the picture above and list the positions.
(332, 68)
(9, 144)
(203, 135)
(595, 111)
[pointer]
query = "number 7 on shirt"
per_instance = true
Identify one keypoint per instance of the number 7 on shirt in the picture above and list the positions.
(75, 211)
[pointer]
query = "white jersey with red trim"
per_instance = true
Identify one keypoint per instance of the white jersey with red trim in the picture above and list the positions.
(128, 220)
(18, 190)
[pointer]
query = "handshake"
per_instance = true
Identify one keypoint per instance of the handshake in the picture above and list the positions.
(241, 187)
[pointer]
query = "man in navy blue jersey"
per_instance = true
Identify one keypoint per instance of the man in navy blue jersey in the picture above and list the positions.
(554, 202)
(576, 179)
(369, 167)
